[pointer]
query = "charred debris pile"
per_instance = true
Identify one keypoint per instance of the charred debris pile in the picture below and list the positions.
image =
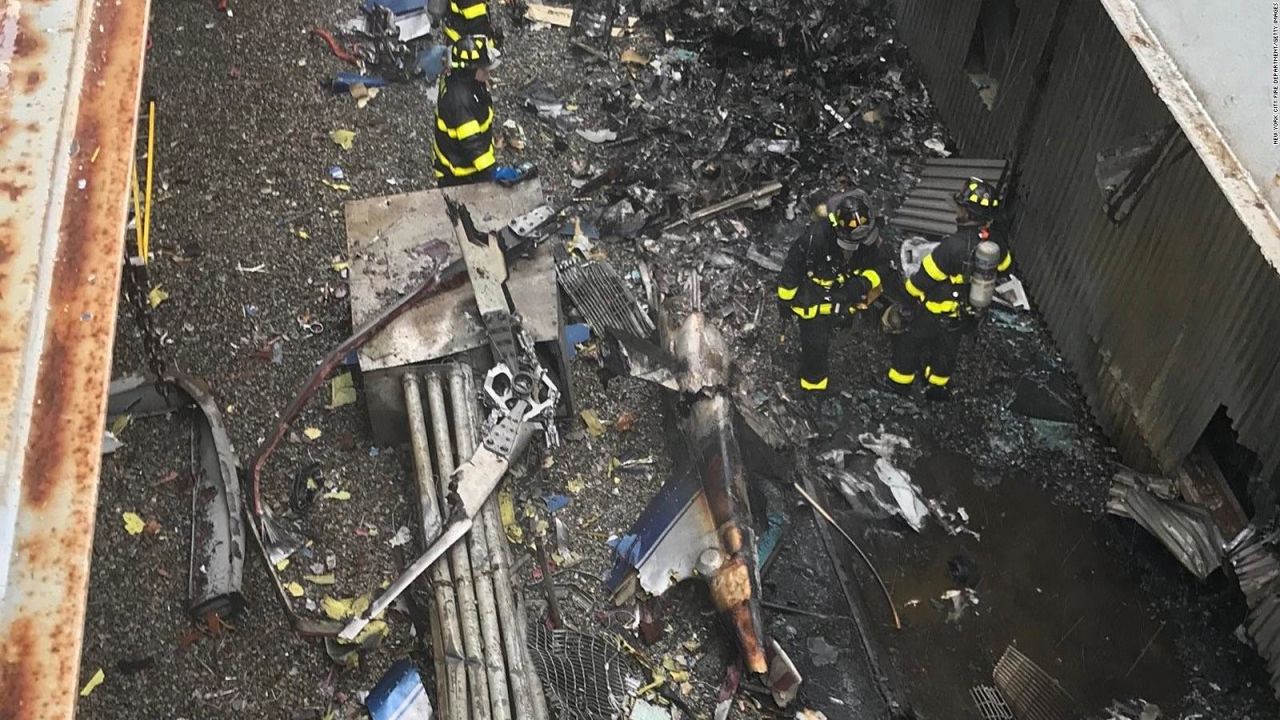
(717, 99)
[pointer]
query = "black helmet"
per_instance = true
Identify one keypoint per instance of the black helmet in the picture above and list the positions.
(473, 51)
(853, 219)
(979, 197)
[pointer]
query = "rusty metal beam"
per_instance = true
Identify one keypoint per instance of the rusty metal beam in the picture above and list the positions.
(70, 73)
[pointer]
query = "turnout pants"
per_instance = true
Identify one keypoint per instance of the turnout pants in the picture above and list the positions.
(485, 175)
(815, 346)
(927, 349)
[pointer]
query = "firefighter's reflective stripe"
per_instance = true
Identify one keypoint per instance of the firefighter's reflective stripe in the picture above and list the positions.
(786, 293)
(466, 129)
(484, 162)
(900, 377)
(470, 13)
(822, 282)
(914, 291)
(872, 277)
(813, 311)
(813, 385)
(931, 268)
(946, 307)
(939, 380)
(1006, 262)
(453, 35)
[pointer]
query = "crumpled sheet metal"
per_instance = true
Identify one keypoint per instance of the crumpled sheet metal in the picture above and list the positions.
(1256, 565)
(217, 522)
(1187, 530)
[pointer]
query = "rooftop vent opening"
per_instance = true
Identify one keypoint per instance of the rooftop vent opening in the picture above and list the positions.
(990, 47)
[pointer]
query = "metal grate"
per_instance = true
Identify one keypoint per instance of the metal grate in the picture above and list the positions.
(586, 677)
(1030, 691)
(603, 299)
(989, 703)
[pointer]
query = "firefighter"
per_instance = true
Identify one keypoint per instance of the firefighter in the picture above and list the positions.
(467, 17)
(835, 268)
(940, 310)
(464, 115)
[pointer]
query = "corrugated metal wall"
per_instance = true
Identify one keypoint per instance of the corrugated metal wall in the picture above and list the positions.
(1164, 317)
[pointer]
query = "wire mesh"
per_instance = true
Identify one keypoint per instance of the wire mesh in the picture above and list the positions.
(585, 677)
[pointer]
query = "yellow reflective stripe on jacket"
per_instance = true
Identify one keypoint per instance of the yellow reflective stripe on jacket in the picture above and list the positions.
(945, 307)
(939, 380)
(466, 129)
(872, 277)
(821, 282)
(1006, 262)
(805, 313)
(453, 35)
(786, 293)
(819, 385)
(931, 267)
(914, 291)
(901, 378)
(470, 13)
(957, 279)
(483, 162)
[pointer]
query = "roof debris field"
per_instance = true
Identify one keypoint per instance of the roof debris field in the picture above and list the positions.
(986, 523)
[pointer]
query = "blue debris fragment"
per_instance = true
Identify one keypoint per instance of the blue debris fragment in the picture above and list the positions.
(575, 335)
(767, 541)
(397, 7)
(588, 229)
(431, 61)
(555, 502)
(627, 548)
(343, 81)
(399, 695)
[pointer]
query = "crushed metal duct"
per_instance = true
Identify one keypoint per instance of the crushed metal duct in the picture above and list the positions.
(217, 525)
(1032, 693)
(1254, 560)
(1187, 530)
(602, 297)
(586, 677)
(929, 209)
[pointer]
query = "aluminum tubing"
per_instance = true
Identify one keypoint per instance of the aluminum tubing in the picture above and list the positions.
(451, 669)
(481, 562)
(459, 558)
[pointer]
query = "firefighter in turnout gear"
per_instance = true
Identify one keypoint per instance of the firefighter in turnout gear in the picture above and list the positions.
(942, 303)
(464, 115)
(467, 17)
(835, 268)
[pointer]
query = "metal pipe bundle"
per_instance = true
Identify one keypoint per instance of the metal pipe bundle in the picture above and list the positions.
(482, 660)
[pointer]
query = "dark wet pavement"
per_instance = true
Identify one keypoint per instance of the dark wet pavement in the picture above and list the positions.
(1046, 577)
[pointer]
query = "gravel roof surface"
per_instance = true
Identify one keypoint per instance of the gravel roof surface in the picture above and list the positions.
(243, 147)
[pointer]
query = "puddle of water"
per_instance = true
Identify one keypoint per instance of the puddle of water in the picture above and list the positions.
(1045, 581)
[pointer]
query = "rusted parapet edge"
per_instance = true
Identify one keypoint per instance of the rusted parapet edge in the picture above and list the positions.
(53, 458)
